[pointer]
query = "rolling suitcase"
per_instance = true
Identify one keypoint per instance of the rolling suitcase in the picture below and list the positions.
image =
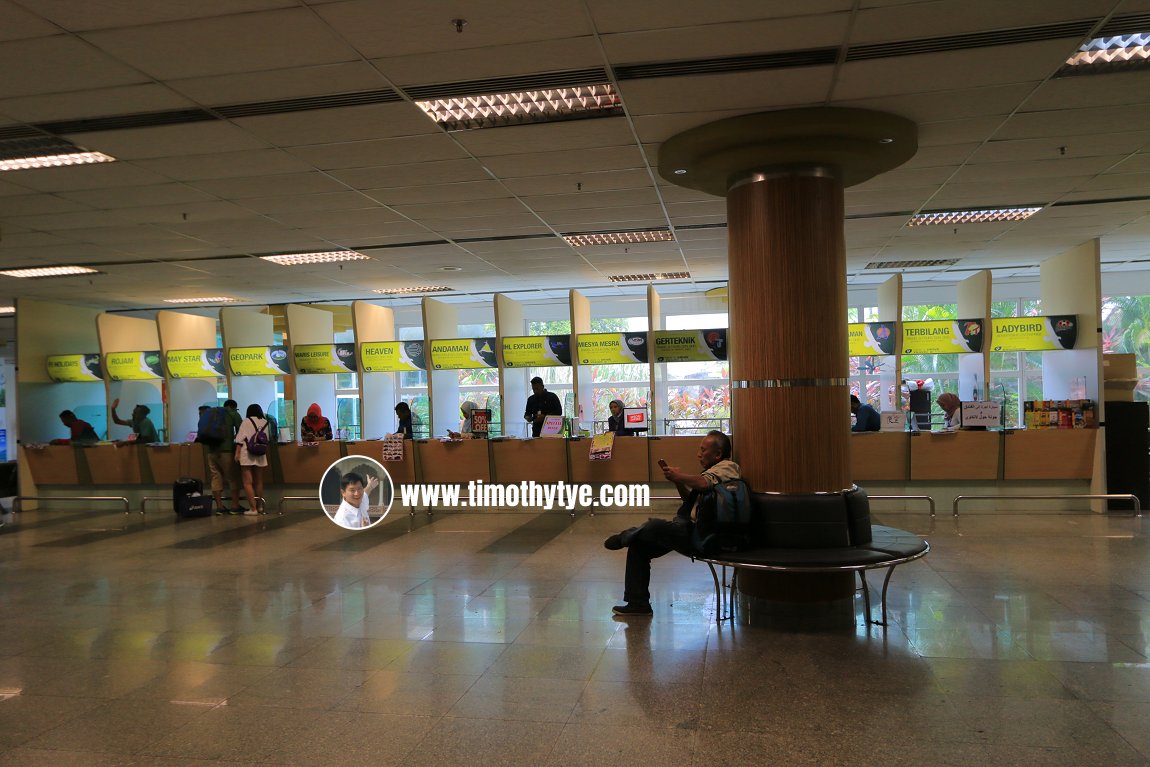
(188, 499)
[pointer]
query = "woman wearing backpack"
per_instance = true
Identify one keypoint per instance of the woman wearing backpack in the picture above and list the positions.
(252, 442)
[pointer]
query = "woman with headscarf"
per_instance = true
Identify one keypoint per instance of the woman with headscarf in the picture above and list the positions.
(465, 411)
(314, 427)
(949, 402)
(616, 422)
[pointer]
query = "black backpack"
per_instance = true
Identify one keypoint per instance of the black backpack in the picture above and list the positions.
(723, 521)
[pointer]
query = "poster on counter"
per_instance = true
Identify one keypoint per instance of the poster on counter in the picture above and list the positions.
(133, 366)
(324, 358)
(392, 356)
(1034, 334)
(259, 360)
(462, 353)
(870, 339)
(536, 351)
(73, 368)
(612, 348)
(602, 446)
(690, 345)
(195, 363)
(942, 337)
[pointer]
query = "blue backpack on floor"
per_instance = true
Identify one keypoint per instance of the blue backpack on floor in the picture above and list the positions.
(723, 521)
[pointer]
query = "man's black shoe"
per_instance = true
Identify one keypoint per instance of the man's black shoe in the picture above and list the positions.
(632, 609)
(614, 542)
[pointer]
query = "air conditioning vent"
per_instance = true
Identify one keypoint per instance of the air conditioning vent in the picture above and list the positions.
(361, 98)
(972, 41)
(758, 62)
(126, 122)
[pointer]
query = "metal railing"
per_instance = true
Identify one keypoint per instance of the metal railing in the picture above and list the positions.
(117, 498)
(260, 502)
(291, 498)
(1106, 497)
(926, 498)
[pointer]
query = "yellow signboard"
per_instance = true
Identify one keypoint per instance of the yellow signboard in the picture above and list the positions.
(1030, 334)
(195, 363)
(133, 366)
(942, 337)
(71, 368)
(258, 360)
(324, 358)
(462, 353)
(392, 356)
(612, 348)
(536, 351)
(868, 339)
(690, 345)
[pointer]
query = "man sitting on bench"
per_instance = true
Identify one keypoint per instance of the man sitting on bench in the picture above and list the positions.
(656, 537)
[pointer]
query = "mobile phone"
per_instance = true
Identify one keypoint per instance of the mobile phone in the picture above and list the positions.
(662, 464)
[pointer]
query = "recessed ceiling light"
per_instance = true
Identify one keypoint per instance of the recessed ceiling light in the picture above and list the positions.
(48, 271)
(617, 238)
(1104, 54)
(7, 309)
(886, 141)
(973, 216)
(326, 257)
(912, 264)
(421, 289)
(205, 300)
(651, 277)
(451, 268)
(494, 110)
(45, 152)
(680, 171)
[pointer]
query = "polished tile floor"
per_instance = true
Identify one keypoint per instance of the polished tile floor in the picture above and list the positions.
(487, 639)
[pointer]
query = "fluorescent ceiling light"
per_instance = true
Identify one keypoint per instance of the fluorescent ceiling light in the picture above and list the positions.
(617, 238)
(973, 216)
(421, 289)
(7, 309)
(55, 160)
(1112, 52)
(652, 277)
(327, 257)
(912, 264)
(206, 300)
(48, 271)
(495, 110)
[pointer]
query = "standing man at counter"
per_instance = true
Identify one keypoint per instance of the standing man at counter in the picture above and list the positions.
(142, 426)
(866, 417)
(541, 404)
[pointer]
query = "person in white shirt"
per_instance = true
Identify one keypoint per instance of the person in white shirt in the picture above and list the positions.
(352, 512)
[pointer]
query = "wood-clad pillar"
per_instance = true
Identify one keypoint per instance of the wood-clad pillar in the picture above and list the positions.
(788, 348)
(783, 174)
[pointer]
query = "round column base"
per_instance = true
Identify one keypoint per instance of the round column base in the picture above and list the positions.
(796, 601)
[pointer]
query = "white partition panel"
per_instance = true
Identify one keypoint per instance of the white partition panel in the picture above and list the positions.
(890, 310)
(377, 391)
(513, 383)
(130, 334)
(441, 320)
(248, 327)
(974, 369)
(581, 374)
(179, 330)
(312, 326)
(660, 407)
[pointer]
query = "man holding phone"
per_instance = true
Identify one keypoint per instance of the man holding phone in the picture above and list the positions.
(656, 537)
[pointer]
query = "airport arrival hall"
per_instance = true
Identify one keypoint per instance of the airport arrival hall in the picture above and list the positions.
(576, 382)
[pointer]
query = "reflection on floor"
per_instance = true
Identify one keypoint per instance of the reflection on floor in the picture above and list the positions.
(477, 639)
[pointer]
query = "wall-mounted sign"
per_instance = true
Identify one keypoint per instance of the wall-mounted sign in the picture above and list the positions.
(392, 356)
(942, 337)
(195, 363)
(259, 360)
(324, 358)
(71, 368)
(133, 366)
(536, 351)
(1032, 334)
(869, 339)
(462, 353)
(690, 345)
(612, 348)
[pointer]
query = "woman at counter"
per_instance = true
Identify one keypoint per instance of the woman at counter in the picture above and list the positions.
(467, 426)
(315, 427)
(949, 402)
(251, 454)
(616, 422)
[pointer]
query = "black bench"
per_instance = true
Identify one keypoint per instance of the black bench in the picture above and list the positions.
(816, 533)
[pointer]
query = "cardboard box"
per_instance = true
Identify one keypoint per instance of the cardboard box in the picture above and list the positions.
(1119, 377)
